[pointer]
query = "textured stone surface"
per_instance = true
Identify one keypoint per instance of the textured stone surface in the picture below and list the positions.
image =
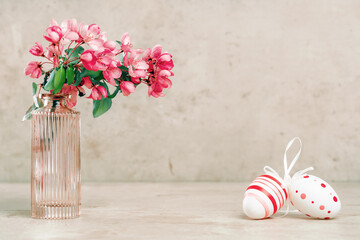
(171, 211)
(249, 75)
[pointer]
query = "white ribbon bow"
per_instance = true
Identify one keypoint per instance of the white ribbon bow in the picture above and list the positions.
(287, 170)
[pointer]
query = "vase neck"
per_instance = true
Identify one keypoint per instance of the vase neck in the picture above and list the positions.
(54, 100)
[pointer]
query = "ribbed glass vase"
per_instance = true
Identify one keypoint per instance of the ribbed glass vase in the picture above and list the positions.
(55, 159)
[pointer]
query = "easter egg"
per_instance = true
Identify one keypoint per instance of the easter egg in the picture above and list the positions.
(264, 196)
(314, 197)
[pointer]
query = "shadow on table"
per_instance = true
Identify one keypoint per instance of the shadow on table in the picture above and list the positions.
(277, 216)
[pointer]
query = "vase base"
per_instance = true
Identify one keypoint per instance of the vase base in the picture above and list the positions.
(55, 211)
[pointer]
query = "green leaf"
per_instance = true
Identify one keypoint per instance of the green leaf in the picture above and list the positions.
(95, 81)
(59, 80)
(34, 85)
(94, 74)
(119, 42)
(101, 106)
(123, 68)
(70, 75)
(79, 76)
(50, 84)
(78, 51)
(28, 112)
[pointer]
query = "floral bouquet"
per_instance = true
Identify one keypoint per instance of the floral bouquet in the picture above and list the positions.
(97, 64)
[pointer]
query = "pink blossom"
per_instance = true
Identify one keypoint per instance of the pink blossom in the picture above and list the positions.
(111, 45)
(96, 44)
(89, 59)
(37, 50)
(104, 59)
(69, 28)
(97, 60)
(88, 33)
(98, 92)
(33, 69)
(162, 60)
(54, 34)
(112, 73)
(155, 90)
(156, 51)
(102, 42)
(103, 36)
(72, 36)
(127, 87)
(73, 92)
(55, 49)
(53, 22)
(53, 53)
(94, 29)
(100, 45)
(165, 61)
(160, 65)
(72, 25)
(86, 81)
(137, 67)
(126, 42)
(146, 54)
(158, 82)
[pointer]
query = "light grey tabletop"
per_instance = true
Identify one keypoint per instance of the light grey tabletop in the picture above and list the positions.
(171, 211)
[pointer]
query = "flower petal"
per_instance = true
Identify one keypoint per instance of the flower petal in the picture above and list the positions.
(127, 88)
(156, 51)
(73, 36)
(102, 91)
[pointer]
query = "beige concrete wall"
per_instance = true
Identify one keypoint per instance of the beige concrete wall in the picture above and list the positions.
(249, 75)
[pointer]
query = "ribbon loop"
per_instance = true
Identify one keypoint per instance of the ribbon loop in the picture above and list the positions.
(301, 172)
(286, 168)
(269, 170)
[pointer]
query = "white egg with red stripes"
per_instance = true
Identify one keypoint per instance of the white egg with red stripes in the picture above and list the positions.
(314, 197)
(265, 196)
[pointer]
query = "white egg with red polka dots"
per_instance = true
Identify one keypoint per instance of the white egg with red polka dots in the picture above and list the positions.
(314, 197)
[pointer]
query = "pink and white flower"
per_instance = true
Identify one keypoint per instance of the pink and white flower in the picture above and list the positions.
(98, 92)
(54, 34)
(73, 92)
(162, 60)
(89, 33)
(70, 30)
(158, 82)
(97, 60)
(126, 43)
(152, 66)
(37, 50)
(112, 73)
(160, 65)
(55, 49)
(104, 59)
(101, 44)
(127, 88)
(86, 81)
(33, 69)
(89, 59)
(137, 66)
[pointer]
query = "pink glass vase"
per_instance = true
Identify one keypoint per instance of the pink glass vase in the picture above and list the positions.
(55, 160)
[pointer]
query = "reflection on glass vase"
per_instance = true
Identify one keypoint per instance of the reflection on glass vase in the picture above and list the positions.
(55, 159)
